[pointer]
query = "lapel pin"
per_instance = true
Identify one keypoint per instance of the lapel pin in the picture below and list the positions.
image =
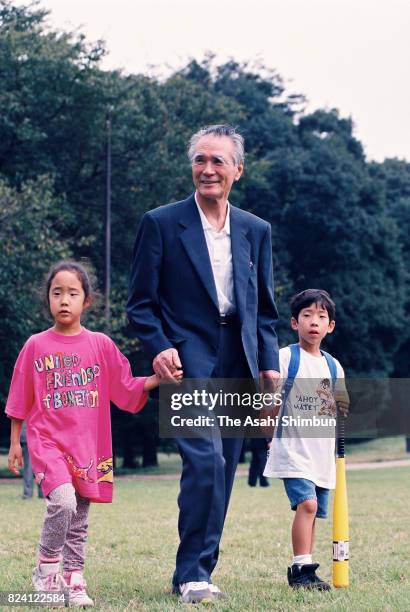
(251, 264)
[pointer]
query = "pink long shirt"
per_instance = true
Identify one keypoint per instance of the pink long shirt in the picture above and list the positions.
(62, 386)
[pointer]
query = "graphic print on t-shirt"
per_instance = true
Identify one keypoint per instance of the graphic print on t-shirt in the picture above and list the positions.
(79, 472)
(105, 466)
(60, 371)
(325, 393)
(309, 400)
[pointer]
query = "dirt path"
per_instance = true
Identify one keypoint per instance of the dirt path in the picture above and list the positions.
(378, 465)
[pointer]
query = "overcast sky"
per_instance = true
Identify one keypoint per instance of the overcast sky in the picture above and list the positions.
(349, 54)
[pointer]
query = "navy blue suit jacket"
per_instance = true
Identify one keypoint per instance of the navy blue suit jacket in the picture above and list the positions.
(173, 300)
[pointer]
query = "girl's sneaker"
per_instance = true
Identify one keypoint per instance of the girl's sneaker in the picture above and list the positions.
(47, 577)
(77, 595)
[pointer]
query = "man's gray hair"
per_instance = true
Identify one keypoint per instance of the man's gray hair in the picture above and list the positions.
(219, 130)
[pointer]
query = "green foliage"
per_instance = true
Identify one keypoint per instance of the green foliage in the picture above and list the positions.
(335, 215)
(49, 97)
(393, 179)
(29, 243)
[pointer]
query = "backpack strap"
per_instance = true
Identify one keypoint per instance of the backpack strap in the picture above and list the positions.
(292, 369)
(287, 387)
(292, 373)
(332, 367)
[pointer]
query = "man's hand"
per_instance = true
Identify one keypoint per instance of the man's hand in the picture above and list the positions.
(268, 381)
(166, 365)
(15, 459)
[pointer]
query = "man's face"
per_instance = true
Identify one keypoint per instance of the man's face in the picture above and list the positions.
(313, 324)
(214, 168)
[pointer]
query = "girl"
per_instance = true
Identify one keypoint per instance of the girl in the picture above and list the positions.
(62, 385)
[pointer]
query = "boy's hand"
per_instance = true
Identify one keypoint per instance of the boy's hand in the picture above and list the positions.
(15, 459)
(342, 402)
(269, 412)
(267, 430)
(268, 381)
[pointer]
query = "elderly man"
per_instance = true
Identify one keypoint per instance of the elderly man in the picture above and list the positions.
(201, 299)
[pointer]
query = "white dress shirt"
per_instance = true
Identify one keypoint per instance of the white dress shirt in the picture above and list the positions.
(220, 254)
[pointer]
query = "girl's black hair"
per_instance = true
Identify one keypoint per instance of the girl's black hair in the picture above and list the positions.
(79, 270)
(306, 298)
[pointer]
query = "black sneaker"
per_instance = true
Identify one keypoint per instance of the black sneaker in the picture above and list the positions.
(304, 576)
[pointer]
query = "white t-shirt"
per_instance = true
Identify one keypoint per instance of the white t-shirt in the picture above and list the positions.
(294, 456)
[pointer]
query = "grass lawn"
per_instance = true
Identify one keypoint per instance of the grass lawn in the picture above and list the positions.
(380, 449)
(132, 545)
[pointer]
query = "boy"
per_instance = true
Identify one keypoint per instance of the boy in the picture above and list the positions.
(307, 463)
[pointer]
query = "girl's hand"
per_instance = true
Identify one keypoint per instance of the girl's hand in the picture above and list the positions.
(154, 381)
(15, 459)
(151, 382)
(177, 374)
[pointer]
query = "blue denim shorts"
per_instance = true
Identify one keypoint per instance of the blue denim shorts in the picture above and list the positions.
(299, 490)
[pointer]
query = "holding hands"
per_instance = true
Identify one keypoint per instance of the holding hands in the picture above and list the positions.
(167, 366)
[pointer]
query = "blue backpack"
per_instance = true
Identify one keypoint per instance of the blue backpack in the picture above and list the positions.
(292, 373)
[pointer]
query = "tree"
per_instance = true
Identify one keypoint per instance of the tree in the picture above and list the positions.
(53, 100)
(335, 215)
(29, 242)
(393, 177)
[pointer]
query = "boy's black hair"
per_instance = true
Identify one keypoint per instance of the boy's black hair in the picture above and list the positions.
(306, 298)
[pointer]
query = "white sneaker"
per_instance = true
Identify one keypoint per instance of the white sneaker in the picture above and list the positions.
(77, 595)
(216, 591)
(47, 577)
(195, 592)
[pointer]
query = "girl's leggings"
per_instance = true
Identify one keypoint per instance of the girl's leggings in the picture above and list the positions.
(65, 528)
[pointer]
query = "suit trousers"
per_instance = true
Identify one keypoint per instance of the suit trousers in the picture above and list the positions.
(208, 470)
(257, 466)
